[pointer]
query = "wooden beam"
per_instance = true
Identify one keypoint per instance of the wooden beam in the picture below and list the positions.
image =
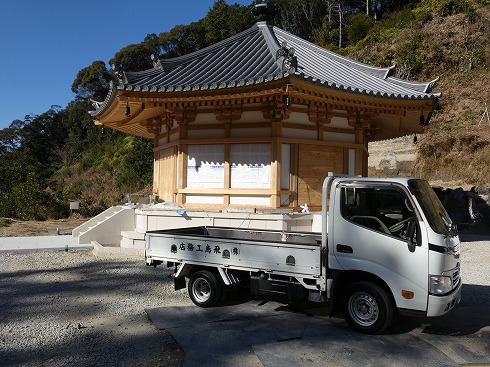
(283, 140)
(230, 191)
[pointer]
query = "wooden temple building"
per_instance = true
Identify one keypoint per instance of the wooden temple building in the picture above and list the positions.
(259, 119)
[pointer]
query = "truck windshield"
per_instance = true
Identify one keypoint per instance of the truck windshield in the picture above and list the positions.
(431, 205)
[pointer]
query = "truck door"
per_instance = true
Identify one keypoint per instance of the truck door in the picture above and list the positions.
(375, 230)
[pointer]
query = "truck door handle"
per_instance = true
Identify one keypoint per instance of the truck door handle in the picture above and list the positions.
(345, 249)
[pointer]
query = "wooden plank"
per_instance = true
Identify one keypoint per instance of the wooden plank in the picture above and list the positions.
(314, 163)
(166, 174)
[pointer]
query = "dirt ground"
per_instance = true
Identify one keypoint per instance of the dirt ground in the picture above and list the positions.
(40, 228)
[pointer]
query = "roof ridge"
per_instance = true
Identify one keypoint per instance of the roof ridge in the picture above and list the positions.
(162, 64)
(208, 49)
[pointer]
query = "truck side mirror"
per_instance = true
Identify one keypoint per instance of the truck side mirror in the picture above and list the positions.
(413, 239)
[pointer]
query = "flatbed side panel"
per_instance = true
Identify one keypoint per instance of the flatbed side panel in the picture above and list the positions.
(294, 259)
(257, 235)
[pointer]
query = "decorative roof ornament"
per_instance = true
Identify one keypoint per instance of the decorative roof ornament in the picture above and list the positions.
(118, 74)
(156, 62)
(265, 11)
(289, 61)
(431, 85)
(96, 104)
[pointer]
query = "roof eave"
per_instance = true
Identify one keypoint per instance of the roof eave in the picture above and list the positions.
(101, 107)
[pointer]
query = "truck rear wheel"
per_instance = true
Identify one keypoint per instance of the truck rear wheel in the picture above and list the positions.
(204, 289)
(367, 308)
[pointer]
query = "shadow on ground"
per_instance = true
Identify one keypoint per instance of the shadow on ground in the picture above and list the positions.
(250, 332)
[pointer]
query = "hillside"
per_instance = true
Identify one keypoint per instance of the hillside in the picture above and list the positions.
(59, 156)
(455, 148)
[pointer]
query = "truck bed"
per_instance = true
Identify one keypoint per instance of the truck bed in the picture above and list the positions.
(286, 253)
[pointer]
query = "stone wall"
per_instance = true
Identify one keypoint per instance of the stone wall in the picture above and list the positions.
(395, 157)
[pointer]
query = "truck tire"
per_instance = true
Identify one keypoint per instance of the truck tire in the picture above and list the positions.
(367, 307)
(204, 289)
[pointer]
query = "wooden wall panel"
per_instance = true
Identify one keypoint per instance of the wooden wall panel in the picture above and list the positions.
(314, 163)
(167, 174)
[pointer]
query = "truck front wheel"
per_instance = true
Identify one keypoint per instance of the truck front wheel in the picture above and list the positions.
(204, 289)
(367, 308)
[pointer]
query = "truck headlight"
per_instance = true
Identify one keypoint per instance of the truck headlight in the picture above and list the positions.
(440, 285)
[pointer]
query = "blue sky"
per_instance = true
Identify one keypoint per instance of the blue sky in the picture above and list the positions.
(44, 43)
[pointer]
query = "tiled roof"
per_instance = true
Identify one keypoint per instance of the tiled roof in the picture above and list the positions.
(264, 53)
(335, 71)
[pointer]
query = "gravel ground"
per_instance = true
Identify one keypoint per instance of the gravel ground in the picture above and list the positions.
(72, 308)
(475, 271)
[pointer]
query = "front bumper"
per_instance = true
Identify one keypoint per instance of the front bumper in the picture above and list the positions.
(440, 305)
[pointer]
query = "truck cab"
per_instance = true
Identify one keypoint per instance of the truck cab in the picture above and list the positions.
(391, 248)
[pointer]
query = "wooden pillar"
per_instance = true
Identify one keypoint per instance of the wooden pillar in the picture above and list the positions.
(276, 154)
(360, 154)
(227, 175)
(293, 184)
(354, 120)
(276, 157)
(181, 171)
(319, 129)
(156, 165)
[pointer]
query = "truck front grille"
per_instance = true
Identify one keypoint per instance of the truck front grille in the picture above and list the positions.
(456, 276)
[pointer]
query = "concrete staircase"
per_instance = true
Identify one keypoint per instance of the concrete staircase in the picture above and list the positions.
(105, 231)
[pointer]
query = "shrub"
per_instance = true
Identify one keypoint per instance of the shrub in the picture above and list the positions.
(29, 200)
(359, 27)
(443, 8)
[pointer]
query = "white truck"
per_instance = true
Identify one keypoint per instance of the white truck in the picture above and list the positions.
(387, 246)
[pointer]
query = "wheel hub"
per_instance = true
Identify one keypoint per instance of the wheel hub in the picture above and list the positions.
(363, 309)
(202, 290)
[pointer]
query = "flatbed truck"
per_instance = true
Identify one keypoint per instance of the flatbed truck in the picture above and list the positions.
(387, 246)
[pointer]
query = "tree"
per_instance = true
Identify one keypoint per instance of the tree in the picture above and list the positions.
(14, 166)
(182, 40)
(92, 81)
(302, 17)
(137, 57)
(9, 137)
(359, 27)
(82, 134)
(41, 140)
(223, 21)
(28, 198)
(136, 168)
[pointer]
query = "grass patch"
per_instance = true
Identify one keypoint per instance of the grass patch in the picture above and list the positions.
(3, 223)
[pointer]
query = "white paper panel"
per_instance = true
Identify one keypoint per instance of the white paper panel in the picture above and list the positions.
(205, 166)
(250, 166)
